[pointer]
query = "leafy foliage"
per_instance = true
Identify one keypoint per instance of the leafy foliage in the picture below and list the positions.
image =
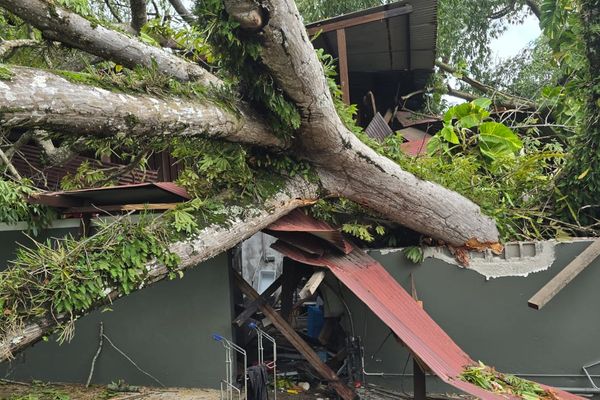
(5, 73)
(573, 28)
(68, 276)
(489, 379)
(414, 254)
(14, 206)
(511, 178)
(238, 54)
(313, 10)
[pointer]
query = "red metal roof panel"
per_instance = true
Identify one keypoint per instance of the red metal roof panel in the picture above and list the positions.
(298, 221)
(29, 163)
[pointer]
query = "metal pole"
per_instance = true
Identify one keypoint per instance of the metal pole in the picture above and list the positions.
(260, 334)
(418, 381)
(229, 346)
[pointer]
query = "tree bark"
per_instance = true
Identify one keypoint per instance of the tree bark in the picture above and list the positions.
(139, 15)
(534, 7)
(347, 167)
(7, 47)
(39, 99)
(506, 99)
(57, 23)
(183, 11)
(210, 242)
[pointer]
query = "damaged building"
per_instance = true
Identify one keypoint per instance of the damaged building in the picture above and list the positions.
(355, 319)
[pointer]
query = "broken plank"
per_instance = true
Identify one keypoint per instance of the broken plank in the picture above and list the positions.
(562, 279)
(312, 285)
(290, 334)
(253, 306)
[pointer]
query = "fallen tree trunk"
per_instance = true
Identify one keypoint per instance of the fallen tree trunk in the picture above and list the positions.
(348, 167)
(210, 242)
(37, 99)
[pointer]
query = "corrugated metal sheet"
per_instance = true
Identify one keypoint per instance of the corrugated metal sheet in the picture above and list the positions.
(378, 129)
(382, 45)
(297, 221)
(141, 193)
(29, 164)
(372, 284)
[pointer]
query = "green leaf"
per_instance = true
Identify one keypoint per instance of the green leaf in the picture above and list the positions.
(583, 174)
(449, 135)
(482, 102)
(496, 139)
(414, 254)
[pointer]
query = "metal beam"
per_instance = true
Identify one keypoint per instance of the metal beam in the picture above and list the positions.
(363, 19)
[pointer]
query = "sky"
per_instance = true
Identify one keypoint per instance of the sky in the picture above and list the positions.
(516, 38)
(508, 45)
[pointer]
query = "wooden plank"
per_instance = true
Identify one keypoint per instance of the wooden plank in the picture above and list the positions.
(363, 19)
(253, 306)
(562, 279)
(290, 334)
(312, 284)
(121, 207)
(343, 65)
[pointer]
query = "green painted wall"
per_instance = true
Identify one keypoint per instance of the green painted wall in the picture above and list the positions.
(491, 321)
(166, 329)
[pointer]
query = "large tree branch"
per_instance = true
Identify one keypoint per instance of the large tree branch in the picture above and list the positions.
(534, 7)
(210, 242)
(183, 11)
(57, 23)
(4, 160)
(347, 166)
(505, 98)
(43, 100)
(139, 14)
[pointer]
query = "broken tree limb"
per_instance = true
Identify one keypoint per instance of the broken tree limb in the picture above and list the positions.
(139, 15)
(98, 351)
(183, 11)
(208, 243)
(34, 98)
(564, 277)
(290, 334)
(346, 166)
(62, 25)
(505, 98)
(253, 306)
(8, 46)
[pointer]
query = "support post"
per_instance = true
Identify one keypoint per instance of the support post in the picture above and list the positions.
(343, 64)
(290, 334)
(253, 306)
(419, 384)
